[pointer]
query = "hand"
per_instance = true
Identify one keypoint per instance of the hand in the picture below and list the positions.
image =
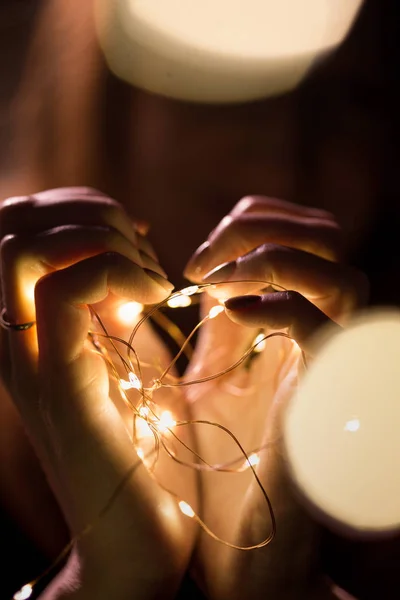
(296, 248)
(74, 247)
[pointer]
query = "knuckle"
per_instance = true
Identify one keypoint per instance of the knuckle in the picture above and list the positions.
(244, 205)
(10, 212)
(10, 245)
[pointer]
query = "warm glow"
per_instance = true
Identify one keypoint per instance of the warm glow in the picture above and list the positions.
(220, 50)
(24, 593)
(144, 411)
(189, 291)
(134, 382)
(179, 301)
(261, 343)
(29, 291)
(215, 311)
(186, 509)
(341, 428)
(142, 429)
(140, 453)
(352, 425)
(166, 421)
(254, 460)
(128, 313)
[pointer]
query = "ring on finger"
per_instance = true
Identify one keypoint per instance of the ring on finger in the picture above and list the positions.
(6, 324)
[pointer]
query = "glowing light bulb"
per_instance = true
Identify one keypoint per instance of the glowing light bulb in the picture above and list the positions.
(134, 382)
(189, 291)
(24, 593)
(215, 311)
(179, 301)
(144, 411)
(128, 313)
(142, 429)
(261, 343)
(253, 460)
(186, 509)
(352, 425)
(166, 421)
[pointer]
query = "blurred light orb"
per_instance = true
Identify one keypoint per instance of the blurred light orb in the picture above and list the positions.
(129, 312)
(219, 50)
(341, 430)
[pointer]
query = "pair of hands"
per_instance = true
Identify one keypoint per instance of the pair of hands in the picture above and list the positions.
(78, 247)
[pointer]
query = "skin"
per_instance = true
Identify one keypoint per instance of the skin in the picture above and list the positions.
(78, 433)
(223, 154)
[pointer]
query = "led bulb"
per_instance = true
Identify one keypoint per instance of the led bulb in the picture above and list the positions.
(128, 313)
(24, 593)
(259, 343)
(186, 509)
(134, 382)
(215, 311)
(219, 50)
(179, 301)
(254, 460)
(189, 291)
(166, 421)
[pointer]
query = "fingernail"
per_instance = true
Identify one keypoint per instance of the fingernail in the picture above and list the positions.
(198, 262)
(150, 263)
(242, 302)
(167, 285)
(221, 273)
(146, 246)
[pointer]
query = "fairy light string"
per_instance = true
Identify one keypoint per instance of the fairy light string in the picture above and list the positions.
(162, 428)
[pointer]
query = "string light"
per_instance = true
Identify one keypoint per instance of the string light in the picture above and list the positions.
(179, 301)
(259, 343)
(128, 312)
(161, 429)
(215, 311)
(186, 509)
(24, 593)
(165, 422)
(133, 382)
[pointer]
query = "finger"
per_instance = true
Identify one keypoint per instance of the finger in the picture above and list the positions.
(91, 280)
(54, 208)
(90, 444)
(27, 258)
(274, 206)
(335, 288)
(236, 236)
(288, 311)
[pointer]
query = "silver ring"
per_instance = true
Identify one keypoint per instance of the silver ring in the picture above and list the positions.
(6, 324)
